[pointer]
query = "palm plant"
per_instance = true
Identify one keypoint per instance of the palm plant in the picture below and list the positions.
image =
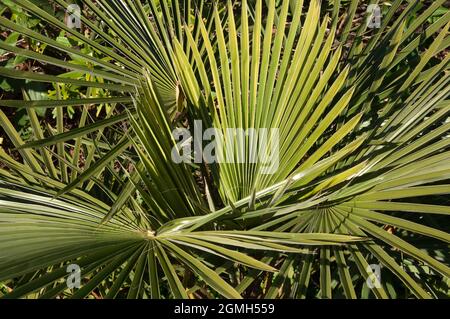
(363, 170)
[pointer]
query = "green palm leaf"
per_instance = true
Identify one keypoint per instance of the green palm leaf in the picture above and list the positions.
(360, 176)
